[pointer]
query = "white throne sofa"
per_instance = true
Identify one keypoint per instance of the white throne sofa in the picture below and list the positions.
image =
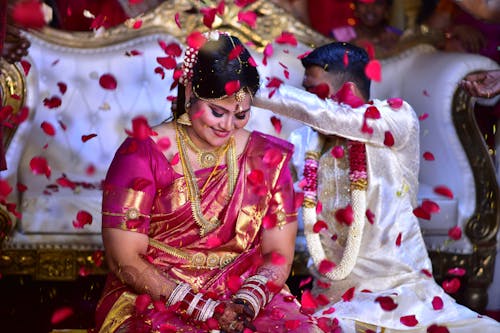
(44, 242)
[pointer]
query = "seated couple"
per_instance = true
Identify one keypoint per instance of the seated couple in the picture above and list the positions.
(200, 215)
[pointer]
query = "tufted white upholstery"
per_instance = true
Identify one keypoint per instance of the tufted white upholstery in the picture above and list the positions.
(86, 109)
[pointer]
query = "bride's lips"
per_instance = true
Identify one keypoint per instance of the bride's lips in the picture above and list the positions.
(221, 134)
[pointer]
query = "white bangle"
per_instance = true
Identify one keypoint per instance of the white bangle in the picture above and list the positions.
(193, 303)
(178, 293)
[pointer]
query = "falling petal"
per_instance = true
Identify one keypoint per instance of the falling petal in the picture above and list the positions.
(420, 213)
(5, 188)
(82, 218)
(320, 225)
(235, 52)
(308, 301)
(140, 128)
(398, 239)
(345, 59)
(444, 191)
(386, 303)
(164, 143)
(167, 62)
(348, 295)
(248, 17)
(62, 87)
(338, 152)
(52, 102)
(455, 233)
(395, 103)
(26, 67)
(345, 215)
(90, 170)
(252, 62)
(409, 321)
(272, 157)
(457, 271)
(278, 259)
(426, 272)
(234, 283)
(175, 159)
(437, 303)
(321, 90)
(372, 113)
(108, 82)
(434, 328)
(208, 16)
(269, 221)
(133, 53)
(276, 122)
(159, 70)
(326, 266)
(61, 314)
(231, 87)
(451, 286)
(346, 95)
(65, 182)
(423, 116)
(324, 285)
(292, 324)
(21, 187)
(370, 216)
(177, 20)
(388, 139)
(286, 38)
(87, 137)
(39, 166)
(428, 156)
(305, 282)
(48, 128)
(196, 40)
(373, 70)
(255, 177)
(430, 206)
(137, 24)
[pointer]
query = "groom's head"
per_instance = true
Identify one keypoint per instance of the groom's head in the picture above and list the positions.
(335, 64)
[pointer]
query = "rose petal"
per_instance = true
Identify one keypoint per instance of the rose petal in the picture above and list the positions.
(48, 128)
(386, 303)
(286, 38)
(337, 152)
(255, 177)
(345, 215)
(39, 166)
(28, 14)
(276, 122)
(346, 95)
(373, 70)
(348, 295)
(26, 67)
(52, 102)
(395, 103)
(430, 206)
(292, 324)
(137, 24)
(345, 59)
(457, 271)
(65, 182)
(5, 188)
(278, 259)
(62, 87)
(61, 314)
(177, 20)
(21, 187)
(372, 112)
(163, 143)
(326, 266)
(305, 282)
(321, 90)
(370, 216)
(87, 137)
(140, 128)
(108, 82)
(398, 239)
(269, 221)
(231, 87)
(196, 40)
(428, 156)
(444, 191)
(409, 321)
(455, 233)
(388, 139)
(423, 116)
(319, 225)
(234, 283)
(82, 218)
(308, 302)
(451, 286)
(426, 272)
(235, 52)
(434, 328)
(437, 303)
(167, 62)
(248, 17)
(420, 213)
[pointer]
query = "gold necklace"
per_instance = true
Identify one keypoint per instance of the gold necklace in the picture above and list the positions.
(194, 193)
(206, 159)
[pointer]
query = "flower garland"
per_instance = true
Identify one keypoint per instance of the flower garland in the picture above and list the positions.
(359, 183)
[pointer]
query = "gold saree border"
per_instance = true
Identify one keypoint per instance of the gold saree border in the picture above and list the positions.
(121, 310)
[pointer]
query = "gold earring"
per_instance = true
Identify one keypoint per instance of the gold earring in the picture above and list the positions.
(184, 119)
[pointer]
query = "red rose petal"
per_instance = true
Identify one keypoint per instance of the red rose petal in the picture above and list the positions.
(444, 191)
(398, 239)
(108, 82)
(409, 321)
(82, 218)
(235, 52)
(345, 215)
(137, 24)
(395, 103)
(286, 38)
(177, 20)
(196, 40)
(388, 139)
(455, 233)
(348, 295)
(430, 206)
(276, 122)
(338, 152)
(48, 128)
(374, 70)
(21, 187)
(423, 116)
(326, 266)
(386, 303)
(428, 156)
(5, 188)
(234, 283)
(140, 128)
(457, 271)
(434, 328)
(28, 14)
(26, 67)
(370, 216)
(320, 225)
(305, 281)
(308, 301)
(231, 87)
(167, 62)
(345, 59)
(278, 259)
(372, 112)
(255, 177)
(437, 303)
(321, 90)
(248, 17)
(426, 272)
(65, 182)
(61, 314)
(346, 95)
(213, 241)
(62, 87)
(420, 213)
(87, 137)
(164, 143)
(52, 102)
(451, 286)
(39, 166)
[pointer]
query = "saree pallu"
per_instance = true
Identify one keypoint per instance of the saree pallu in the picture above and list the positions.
(162, 210)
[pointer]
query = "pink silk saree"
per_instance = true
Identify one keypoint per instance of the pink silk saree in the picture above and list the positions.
(142, 193)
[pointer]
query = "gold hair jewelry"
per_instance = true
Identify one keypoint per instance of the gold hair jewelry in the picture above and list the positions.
(205, 158)
(194, 193)
(184, 119)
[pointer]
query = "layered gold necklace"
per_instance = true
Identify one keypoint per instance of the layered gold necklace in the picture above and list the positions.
(194, 193)
(205, 158)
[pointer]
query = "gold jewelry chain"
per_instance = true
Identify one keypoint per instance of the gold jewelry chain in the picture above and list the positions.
(192, 183)
(206, 159)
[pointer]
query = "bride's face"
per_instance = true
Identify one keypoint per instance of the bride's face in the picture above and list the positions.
(215, 121)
